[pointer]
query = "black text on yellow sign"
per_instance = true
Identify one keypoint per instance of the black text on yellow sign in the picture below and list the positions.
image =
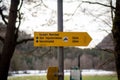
(61, 39)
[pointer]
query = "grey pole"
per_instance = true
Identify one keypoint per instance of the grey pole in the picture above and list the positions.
(60, 49)
(79, 66)
(79, 61)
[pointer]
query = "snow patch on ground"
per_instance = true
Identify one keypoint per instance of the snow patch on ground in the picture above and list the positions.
(91, 72)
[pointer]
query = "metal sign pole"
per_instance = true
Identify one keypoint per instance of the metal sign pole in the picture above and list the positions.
(60, 49)
(79, 66)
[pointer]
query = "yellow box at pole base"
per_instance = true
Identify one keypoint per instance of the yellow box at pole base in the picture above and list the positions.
(61, 39)
(51, 73)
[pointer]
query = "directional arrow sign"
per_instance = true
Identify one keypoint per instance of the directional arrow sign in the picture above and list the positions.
(61, 39)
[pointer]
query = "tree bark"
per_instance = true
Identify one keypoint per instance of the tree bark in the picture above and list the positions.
(10, 41)
(116, 36)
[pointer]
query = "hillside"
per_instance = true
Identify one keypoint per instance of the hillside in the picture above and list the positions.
(107, 42)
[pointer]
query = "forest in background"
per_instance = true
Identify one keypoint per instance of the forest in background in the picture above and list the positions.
(28, 57)
(42, 58)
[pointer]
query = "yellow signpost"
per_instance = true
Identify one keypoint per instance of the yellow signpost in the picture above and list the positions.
(61, 39)
(51, 74)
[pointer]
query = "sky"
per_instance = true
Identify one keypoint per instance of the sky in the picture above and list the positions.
(78, 17)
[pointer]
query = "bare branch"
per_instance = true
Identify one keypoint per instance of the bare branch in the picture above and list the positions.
(20, 5)
(3, 16)
(19, 22)
(98, 18)
(1, 39)
(107, 50)
(99, 4)
(31, 51)
(40, 56)
(105, 62)
(45, 53)
(112, 11)
(24, 41)
(74, 11)
(104, 30)
(108, 60)
(41, 3)
(19, 14)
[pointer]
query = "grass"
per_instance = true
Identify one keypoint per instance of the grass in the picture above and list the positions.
(113, 77)
(33, 78)
(28, 78)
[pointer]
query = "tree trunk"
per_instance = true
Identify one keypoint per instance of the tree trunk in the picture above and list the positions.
(116, 36)
(10, 41)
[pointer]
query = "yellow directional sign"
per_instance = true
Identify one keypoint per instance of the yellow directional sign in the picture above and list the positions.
(51, 73)
(61, 39)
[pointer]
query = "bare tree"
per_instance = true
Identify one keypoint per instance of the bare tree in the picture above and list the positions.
(116, 36)
(115, 31)
(10, 40)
